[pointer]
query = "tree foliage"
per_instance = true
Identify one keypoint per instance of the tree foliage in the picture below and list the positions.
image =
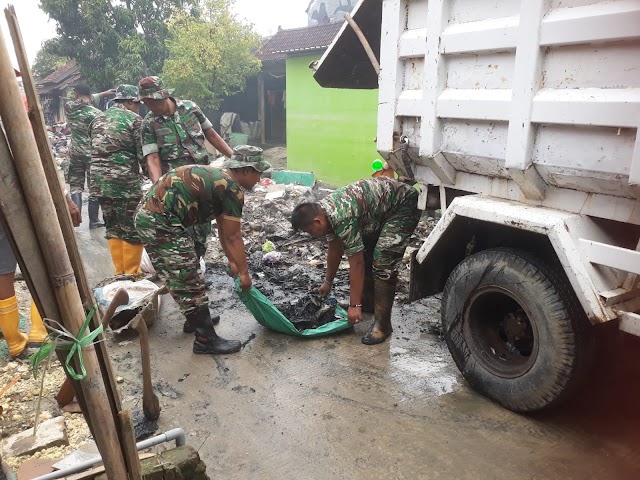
(210, 53)
(113, 41)
(47, 62)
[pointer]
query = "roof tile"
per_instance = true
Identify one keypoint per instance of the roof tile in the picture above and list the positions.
(285, 42)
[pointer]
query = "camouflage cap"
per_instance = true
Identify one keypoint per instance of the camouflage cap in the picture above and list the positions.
(247, 156)
(153, 88)
(127, 92)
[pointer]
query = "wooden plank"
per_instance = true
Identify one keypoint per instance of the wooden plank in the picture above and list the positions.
(261, 108)
(129, 441)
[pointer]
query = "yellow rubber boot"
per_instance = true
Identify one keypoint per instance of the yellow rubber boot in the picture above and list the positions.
(9, 324)
(116, 246)
(38, 332)
(132, 258)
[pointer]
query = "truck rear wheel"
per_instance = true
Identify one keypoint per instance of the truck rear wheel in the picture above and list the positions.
(515, 329)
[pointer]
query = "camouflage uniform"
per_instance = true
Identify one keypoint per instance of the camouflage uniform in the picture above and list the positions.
(179, 140)
(377, 216)
(79, 116)
(184, 197)
(116, 155)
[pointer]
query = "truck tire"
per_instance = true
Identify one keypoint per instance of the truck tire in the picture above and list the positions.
(516, 329)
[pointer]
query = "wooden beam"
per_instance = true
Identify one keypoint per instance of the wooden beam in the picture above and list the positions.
(261, 108)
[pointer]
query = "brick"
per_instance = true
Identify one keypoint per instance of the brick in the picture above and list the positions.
(175, 464)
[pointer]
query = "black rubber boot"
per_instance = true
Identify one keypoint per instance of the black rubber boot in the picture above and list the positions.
(367, 293)
(189, 328)
(94, 208)
(207, 340)
(77, 199)
(384, 293)
(370, 242)
(200, 249)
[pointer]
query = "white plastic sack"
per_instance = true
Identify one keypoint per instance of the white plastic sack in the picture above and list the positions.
(140, 293)
(145, 264)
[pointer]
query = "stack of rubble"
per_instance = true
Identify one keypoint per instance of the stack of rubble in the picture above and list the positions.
(288, 265)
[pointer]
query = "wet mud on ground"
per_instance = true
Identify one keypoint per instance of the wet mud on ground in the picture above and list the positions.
(287, 407)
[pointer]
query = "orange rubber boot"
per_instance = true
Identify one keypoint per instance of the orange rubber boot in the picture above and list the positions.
(9, 324)
(116, 246)
(38, 333)
(132, 258)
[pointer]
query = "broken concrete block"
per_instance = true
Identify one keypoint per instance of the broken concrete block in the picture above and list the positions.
(274, 195)
(275, 187)
(51, 433)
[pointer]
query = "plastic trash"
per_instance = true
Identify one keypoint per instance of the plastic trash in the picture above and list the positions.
(269, 316)
(268, 246)
(272, 257)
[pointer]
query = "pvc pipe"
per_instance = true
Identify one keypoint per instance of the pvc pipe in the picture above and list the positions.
(176, 434)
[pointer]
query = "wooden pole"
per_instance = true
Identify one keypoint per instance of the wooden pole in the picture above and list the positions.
(21, 233)
(20, 227)
(129, 441)
(36, 116)
(261, 117)
(34, 185)
(365, 43)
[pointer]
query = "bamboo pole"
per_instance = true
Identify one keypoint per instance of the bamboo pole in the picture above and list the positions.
(40, 203)
(19, 226)
(27, 250)
(36, 116)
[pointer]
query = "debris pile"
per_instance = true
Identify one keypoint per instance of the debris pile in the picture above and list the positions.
(288, 267)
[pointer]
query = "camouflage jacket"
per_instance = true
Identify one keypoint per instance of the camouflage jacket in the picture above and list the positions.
(363, 207)
(196, 194)
(178, 138)
(79, 116)
(116, 154)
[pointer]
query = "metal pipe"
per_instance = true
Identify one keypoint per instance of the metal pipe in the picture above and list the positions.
(176, 434)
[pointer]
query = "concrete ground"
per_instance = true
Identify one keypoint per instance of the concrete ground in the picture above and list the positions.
(287, 408)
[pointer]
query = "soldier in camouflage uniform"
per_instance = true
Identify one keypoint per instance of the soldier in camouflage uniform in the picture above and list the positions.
(371, 221)
(116, 156)
(173, 135)
(187, 196)
(80, 113)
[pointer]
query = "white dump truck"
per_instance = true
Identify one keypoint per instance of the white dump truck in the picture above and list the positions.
(519, 119)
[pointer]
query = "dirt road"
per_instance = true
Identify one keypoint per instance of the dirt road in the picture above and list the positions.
(286, 408)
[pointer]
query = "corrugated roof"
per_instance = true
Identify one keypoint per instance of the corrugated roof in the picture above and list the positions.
(302, 39)
(61, 79)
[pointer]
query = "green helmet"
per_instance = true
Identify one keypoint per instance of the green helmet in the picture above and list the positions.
(127, 92)
(247, 156)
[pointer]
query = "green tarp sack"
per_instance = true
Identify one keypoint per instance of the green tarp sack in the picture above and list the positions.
(269, 316)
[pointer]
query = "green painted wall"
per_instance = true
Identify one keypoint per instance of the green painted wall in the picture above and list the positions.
(330, 132)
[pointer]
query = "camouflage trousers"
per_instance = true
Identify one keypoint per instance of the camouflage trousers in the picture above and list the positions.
(383, 250)
(171, 250)
(118, 214)
(200, 231)
(77, 173)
